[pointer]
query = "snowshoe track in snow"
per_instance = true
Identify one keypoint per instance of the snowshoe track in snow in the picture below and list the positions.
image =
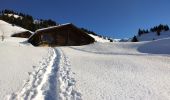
(37, 78)
(66, 83)
(50, 81)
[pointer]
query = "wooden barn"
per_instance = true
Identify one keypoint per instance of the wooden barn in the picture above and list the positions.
(25, 34)
(62, 35)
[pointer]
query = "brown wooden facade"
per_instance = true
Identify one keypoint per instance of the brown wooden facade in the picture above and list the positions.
(25, 34)
(63, 35)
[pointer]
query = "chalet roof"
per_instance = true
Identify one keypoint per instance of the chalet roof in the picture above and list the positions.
(24, 32)
(52, 27)
(77, 36)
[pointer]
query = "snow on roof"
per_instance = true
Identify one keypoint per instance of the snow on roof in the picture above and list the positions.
(51, 27)
(97, 38)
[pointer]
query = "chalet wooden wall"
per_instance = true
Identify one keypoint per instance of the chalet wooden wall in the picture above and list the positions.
(25, 34)
(67, 35)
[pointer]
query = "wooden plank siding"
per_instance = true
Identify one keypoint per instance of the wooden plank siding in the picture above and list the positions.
(64, 35)
(25, 34)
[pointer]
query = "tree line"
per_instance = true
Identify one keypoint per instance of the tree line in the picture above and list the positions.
(24, 20)
(157, 29)
(28, 22)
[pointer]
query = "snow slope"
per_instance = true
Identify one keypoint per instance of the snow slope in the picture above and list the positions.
(7, 29)
(121, 71)
(99, 71)
(17, 62)
(153, 36)
(49, 81)
(160, 46)
(99, 39)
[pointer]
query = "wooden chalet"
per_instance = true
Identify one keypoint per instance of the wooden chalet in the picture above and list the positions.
(61, 35)
(25, 34)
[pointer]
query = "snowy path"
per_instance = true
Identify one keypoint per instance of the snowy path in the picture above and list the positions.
(38, 78)
(51, 81)
(66, 82)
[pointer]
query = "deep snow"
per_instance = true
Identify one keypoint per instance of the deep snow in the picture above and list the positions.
(34, 73)
(118, 71)
(99, 71)
(7, 29)
(17, 61)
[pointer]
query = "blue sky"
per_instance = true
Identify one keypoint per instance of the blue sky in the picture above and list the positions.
(114, 18)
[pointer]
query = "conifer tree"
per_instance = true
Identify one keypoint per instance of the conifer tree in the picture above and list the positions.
(158, 32)
(134, 39)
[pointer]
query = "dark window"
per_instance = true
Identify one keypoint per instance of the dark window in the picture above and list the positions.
(47, 38)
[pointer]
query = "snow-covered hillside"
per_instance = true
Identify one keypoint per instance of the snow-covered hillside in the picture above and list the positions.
(119, 70)
(99, 39)
(153, 36)
(100, 71)
(7, 29)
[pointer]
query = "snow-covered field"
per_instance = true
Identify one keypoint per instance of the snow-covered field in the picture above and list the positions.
(121, 71)
(99, 71)
(17, 61)
(7, 29)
